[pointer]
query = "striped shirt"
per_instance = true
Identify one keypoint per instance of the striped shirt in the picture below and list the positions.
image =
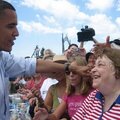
(92, 109)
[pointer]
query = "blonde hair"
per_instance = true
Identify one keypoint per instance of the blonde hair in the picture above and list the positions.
(85, 82)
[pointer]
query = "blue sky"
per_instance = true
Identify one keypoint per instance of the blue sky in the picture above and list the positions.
(42, 22)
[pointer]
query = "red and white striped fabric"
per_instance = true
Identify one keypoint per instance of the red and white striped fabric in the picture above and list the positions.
(92, 109)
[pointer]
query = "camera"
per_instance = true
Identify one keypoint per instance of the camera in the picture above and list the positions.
(86, 34)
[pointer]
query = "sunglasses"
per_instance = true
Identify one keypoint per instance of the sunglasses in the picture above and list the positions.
(68, 72)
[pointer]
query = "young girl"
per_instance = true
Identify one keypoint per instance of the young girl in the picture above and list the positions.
(78, 88)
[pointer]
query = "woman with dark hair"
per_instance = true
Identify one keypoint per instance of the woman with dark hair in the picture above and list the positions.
(90, 58)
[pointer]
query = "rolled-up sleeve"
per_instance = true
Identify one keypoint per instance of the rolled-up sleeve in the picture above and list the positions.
(19, 66)
(30, 66)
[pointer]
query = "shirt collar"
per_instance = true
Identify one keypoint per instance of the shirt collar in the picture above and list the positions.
(99, 96)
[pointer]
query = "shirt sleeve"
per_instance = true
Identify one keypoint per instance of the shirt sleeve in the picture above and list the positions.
(15, 66)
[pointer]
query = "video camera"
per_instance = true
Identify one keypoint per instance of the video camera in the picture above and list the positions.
(86, 34)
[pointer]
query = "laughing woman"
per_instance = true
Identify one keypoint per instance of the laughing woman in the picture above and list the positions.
(104, 102)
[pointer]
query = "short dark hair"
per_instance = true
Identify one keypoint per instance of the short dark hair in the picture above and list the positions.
(5, 5)
(72, 45)
(88, 55)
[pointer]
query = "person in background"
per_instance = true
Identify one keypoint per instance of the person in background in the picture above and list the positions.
(48, 81)
(18, 84)
(37, 100)
(45, 86)
(32, 85)
(78, 88)
(73, 47)
(56, 91)
(35, 82)
(90, 58)
(104, 102)
(71, 51)
(48, 53)
(20, 80)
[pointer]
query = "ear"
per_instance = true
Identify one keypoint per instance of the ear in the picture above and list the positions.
(117, 74)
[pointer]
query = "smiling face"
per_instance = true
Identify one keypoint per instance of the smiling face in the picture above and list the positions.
(8, 30)
(103, 74)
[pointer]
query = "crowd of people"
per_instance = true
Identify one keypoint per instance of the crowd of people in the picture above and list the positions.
(76, 85)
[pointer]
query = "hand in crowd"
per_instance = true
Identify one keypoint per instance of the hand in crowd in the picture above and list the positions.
(106, 44)
(41, 114)
(32, 101)
(36, 92)
(27, 95)
(23, 91)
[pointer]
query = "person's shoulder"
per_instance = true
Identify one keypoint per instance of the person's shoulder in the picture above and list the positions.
(53, 87)
(92, 94)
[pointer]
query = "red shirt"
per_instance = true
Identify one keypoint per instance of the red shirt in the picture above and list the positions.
(32, 84)
(92, 109)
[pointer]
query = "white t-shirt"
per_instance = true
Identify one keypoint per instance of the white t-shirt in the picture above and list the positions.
(45, 86)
